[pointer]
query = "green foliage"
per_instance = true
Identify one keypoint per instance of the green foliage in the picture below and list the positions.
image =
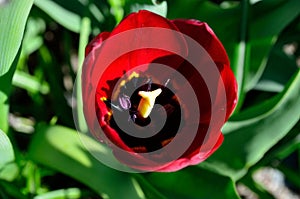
(13, 17)
(42, 50)
(254, 131)
(153, 6)
(6, 150)
(194, 182)
(66, 153)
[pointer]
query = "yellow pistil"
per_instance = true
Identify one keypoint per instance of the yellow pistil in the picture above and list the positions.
(147, 102)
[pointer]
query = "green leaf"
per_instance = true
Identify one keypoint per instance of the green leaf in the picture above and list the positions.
(61, 149)
(33, 37)
(259, 190)
(83, 41)
(224, 22)
(60, 14)
(253, 132)
(5, 88)
(150, 191)
(275, 75)
(193, 183)
(70, 193)
(13, 16)
(62, 110)
(6, 150)
(10, 190)
(284, 148)
(117, 9)
(290, 146)
(291, 175)
(29, 83)
(9, 172)
(158, 7)
(247, 31)
(69, 13)
(269, 19)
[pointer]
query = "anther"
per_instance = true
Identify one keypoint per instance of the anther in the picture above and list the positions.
(149, 82)
(110, 104)
(124, 102)
(168, 80)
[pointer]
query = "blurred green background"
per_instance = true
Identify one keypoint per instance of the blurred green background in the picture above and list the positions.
(41, 49)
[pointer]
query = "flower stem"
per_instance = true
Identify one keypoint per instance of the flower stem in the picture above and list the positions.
(85, 31)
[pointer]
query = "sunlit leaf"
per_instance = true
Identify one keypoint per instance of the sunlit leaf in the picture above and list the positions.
(193, 183)
(29, 83)
(282, 61)
(63, 16)
(9, 190)
(60, 148)
(33, 38)
(83, 41)
(70, 193)
(6, 150)
(13, 16)
(9, 172)
(5, 88)
(253, 132)
(158, 7)
(269, 19)
(247, 31)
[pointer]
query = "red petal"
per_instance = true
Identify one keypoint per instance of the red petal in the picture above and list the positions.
(205, 36)
(96, 42)
(136, 57)
(145, 162)
(231, 89)
(141, 19)
(96, 71)
(197, 157)
(87, 84)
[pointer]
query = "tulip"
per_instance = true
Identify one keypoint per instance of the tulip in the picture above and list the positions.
(158, 91)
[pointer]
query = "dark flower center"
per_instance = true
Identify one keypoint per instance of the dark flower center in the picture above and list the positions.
(144, 134)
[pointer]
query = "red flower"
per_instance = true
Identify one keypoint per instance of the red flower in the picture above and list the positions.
(182, 66)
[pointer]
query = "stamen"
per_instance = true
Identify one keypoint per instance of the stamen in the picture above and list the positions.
(110, 104)
(133, 117)
(123, 84)
(149, 82)
(124, 102)
(133, 75)
(168, 80)
(134, 81)
(147, 102)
